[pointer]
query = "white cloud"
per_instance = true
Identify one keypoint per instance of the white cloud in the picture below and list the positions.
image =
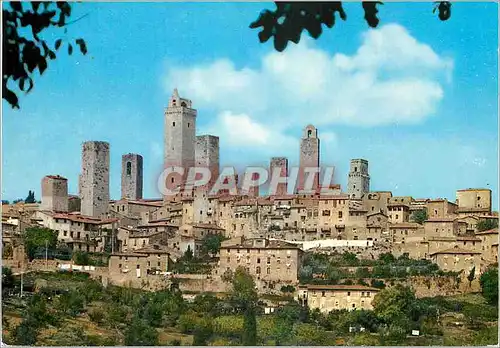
(241, 130)
(391, 78)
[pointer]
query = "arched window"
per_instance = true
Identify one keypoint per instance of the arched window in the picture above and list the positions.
(129, 168)
(183, 104)
(309, 133)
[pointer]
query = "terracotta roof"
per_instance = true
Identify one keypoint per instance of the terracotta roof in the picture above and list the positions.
(376, 213)
(83, 218)
(151, 204)
(158, 224)
(444, 219)
(405, 225)
(338, 287)
(209, 226)
(452, 239)
(271, 244)
(129, 254)
(456, 251)
(151, 250)
(492, 231)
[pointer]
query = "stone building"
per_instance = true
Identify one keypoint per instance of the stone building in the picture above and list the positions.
(79, 232)
(358, 183)
(279, 165)
(445, 227)
(489, 245)
(54, 193)
(441, 208)
(180, 129)
(327, 298)
(94, 184)
(268, 261)
(457, 260)
(474, 201)
(309, 158)
(139, 263)
(132, 176)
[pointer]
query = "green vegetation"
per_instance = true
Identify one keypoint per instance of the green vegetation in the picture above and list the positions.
(188, 264)
(419, 216)
(324, 269)
(211, 244)
(37, 239)
(70, 308)
(489, 285)
(485, 225)
(31, 197)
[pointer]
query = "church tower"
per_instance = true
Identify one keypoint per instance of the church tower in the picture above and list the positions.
(180, 139)
(309, 157)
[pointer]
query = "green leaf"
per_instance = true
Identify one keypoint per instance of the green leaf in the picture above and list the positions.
(83, 46)
(58, 44)
(70, 49)
(42, 66)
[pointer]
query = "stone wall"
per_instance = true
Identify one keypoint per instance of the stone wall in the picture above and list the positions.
(94, 180)
(132, 176)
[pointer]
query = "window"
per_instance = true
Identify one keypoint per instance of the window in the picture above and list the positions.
(120, 265)
(268, 260)
(257, 270)
(173, 124)
(340, 215)
(322, 293)
(368, 294)
(129, 168)
(348, 293)
(258, 259)
(362, 293)
(228, 259)
(159, 264)
(138, 266)
(188, 124)
(353, 305)
(268, 271)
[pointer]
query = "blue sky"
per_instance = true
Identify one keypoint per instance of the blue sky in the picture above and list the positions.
(417, 97)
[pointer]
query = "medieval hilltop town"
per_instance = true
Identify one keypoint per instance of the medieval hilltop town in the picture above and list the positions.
(267, 235)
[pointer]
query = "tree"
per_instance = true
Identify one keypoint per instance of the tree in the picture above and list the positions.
(139, 333)
(489, 285)
(36, 237)
(4, 201)
(485, 225)
(19, 200)
(245, 298)
(188, 254)
(211, 243)
(30, 198)
(24, 53)
(419, 216)
(287, 22)
(387, 258)
(395, 305)
(472, 275)
(7, 278)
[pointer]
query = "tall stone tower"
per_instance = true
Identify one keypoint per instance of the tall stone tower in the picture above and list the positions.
(359, 181)
(207, 156)
(180, 129)
(54, 193)
(279, 164)
(309, 157)
(132, 176)
(94, 183)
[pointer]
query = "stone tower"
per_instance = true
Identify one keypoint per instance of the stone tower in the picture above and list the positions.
(180, 128)
(359, 180)
(54, 193)
(132, 176)
(207, 156)
(279, 164)
(309, 157)
(94, 183)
